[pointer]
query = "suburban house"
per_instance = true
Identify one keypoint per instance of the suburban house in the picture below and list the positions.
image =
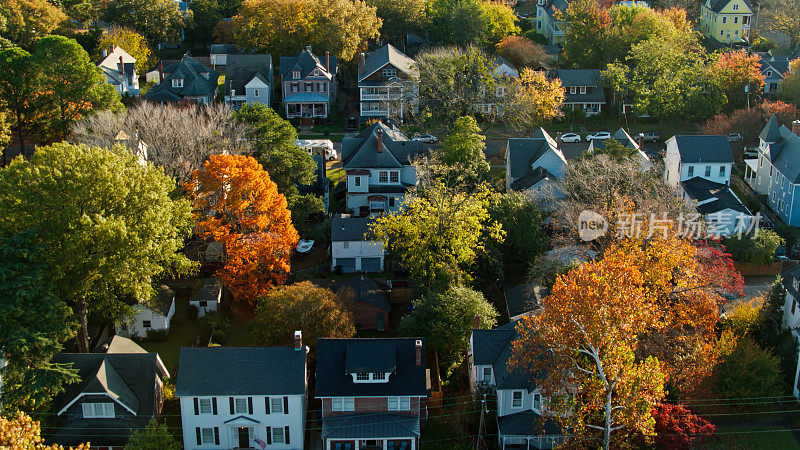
(726, 21)
(582, 89)
(371, 302)
(308, 84)
(154, 315)
(777, 170)
(187, 81)
(626, 141)
(220, 52)
(524, 299)
(699, 168)
(378, 166)
(208, 297)
(387, 84)
(373, 392)
(492, 102)
(519, 402)
(248, 79)
(118, 391)
(535, 164)
(352, 248)
(120, 70)
(549, 20)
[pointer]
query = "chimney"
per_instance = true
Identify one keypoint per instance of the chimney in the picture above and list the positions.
(477, 321)
(105, 53)
(298, 340)
(363, 62)
(308, 48)
(418, 351)
(379, 134)
(796, 127)
(160, 72)
(327, 61)
(121, 66)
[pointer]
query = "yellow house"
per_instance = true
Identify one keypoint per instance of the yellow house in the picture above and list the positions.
(726, 21)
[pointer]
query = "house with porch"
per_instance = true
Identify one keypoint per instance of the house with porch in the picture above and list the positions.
(243, 397)
(520, 403)
(550, 23)
(726, 21)
(119, 67)
(154, 314)
(308, 84)
(248, 79)
(535, 164)
(777, 170)
(378, 166)
(388, 84)
(353, 248)
(189, 80)
(373, 392)
(582, 89)
(118, 391)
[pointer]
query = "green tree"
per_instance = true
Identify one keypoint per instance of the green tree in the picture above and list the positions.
(462, 150)
(614, 149)
(158, 20)
(133, 43)
(205, 16)
(343, 26)
(585, 40)
(34, 323)
(400, 18)
(523, 222)
(24, 21)
(446, 320)
(281, 27)
(154, 436)
(109, 225)
(748, 371)
(318, 312)
(754, 249)
(20, 93)
(464, 22)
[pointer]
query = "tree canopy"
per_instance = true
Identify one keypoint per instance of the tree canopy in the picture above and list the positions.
(400, 18)
(24, 21)
(158, 20)
(24, 433)
(154, 436)
(133, 43)
(465, 22)
(535, 100)
(462, 150)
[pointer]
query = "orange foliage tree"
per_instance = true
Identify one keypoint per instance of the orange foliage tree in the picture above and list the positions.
(521, 51)
(736, 71)
(237, 205)
(24, 433)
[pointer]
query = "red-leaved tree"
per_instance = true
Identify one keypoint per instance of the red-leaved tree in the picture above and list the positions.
(677, 428)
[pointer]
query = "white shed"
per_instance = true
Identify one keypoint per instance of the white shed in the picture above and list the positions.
(208, 297)
(155, 315)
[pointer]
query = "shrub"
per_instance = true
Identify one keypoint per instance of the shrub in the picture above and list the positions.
(193, 312)
(157, 335)
(756, 250)
(747, 371)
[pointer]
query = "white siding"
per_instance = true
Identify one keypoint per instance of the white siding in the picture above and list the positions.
(357, 250)
(134, 325)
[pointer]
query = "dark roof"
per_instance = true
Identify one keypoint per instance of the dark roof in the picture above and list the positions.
(771, 131)
(788, 277)
(387, 55)
(397, 149)
(306, 61)
(557, 5)
(347, 228)
(718, 5)
(209, 292)
(576, 77)
(704, 149)
(162, 300)
(784, 154)
(524, 298)
(198, 80)
(523, 152)
(530, 179)
(526, 423)
(370, 426)
(493, 347)
(367, 290)
(701, 190)
(778, 64)
(595, 94)
(336, 356)
(119, 344)
(228, 49)
(241, 69)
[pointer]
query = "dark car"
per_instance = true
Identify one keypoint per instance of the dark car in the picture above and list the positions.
(351, 124)
(651, 136)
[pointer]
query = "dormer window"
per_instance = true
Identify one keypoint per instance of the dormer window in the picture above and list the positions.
(583, 89)
(378, 376)
(735, 7)
(369, 377)
(296, 74)
(362, 376)
(177, 82)
(389, 72)
(98, 410)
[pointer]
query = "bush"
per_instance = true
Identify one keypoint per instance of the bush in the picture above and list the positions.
(157, 335)
(536, 37)
(788, 233)
(193, 312)
(748, 371)
(218, 326)
(218, 337)
(756, 250)
(169, 389)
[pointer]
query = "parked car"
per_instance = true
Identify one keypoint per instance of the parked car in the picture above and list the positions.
(733, 137)
(651, 136)
(570, 137)
(425, 138)
(600, 136)
(351, 124)
(750, 153)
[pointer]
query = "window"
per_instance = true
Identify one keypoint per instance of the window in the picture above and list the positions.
(516, 399)
(206, 435)
(294, 87)
(391, 202)
(296, 74)
(736, 33)
(573, 89)
(583, 89)
(794, 305)
(389, 72)
(343, 404)
(379, 375)
(97, 410)
(383, 176)
(735, 7)
(277, 435)
(309, 87)
(177, 82)
(769, 74)
(708, 171)
(362, 376)
(357, 181)
(203, 304)
(205, 406)
(691, 171)
(346, 244)
(537, 401)
(487, 374)
(500, 91)
(394, 177)
(255, 92)
(320, 87)
(399, 403)
(324, 87)
(539, 24)
(735, 19)
(721, 32)
(745, 20)
(722, 171)
(146, 323)
(240, 405)
(276, 405)
(724, 19)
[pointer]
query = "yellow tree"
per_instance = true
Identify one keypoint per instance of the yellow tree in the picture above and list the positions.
(536, 100)
(237, 205)
(133, 43)
(24, 433)
(280, 26)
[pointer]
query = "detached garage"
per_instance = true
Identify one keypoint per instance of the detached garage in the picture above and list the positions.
(352, 250)
(347, 265)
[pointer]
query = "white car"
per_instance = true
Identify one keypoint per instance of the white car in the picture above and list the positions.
(425, 138)
(600, 136)
(570, 137)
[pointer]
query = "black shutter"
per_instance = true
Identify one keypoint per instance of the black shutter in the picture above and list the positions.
(286, 435)
(286, 405)
(269, 436)
(216, 436)
(231, 402)
(196, 407)
(214, 405)
(249, 405)
(199, 440)
(266, 404)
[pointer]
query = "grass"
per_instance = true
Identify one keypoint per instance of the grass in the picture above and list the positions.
(753, 438)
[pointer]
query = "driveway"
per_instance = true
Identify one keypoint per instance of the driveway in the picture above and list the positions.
(753, 287)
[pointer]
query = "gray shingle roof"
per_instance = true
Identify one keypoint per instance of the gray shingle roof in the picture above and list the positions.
(704, 149)
(198, 80)
(241, 69)
(526, 423)
(209, 292)
(226, 49)
(524, 298)
(494, 347)
(787, 279)
(397, 149)
(531, 179)
(785, 154)
(306, 61)
(333, 380)
(387, 55)
(241, 371)
(346, 228)
(370, 426)
(700, 189)
(370, 355)
(718, 5)
(576, 77)
(771, 131)
(367, 290)
(523, 152)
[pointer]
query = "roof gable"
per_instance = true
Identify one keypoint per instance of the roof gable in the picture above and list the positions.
(397, 150)
(387, 55)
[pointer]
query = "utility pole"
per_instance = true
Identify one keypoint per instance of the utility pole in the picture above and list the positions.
(484, 410)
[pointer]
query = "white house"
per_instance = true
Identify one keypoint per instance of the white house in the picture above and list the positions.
(208, 297)
(699, 168)
(248, 79)
(535, 164)
(243, 397)
(519, 401)
(120, 70)
(351, 248)
(152, 315)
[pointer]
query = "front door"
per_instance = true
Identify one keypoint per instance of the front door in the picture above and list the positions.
(380, 321)
(244, 437)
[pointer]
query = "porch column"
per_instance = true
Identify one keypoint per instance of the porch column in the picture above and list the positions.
(358, 444)
(413, 443)
(385, 444)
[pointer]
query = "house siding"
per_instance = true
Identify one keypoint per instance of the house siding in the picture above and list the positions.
(369, 404)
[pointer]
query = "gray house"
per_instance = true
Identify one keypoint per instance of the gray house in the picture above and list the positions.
(775, 67)
(387, 84)
(777, 171)
(534, 164)
(582, 89)
(189, 80)
(308, 84)
(352, 247)
(248, 80)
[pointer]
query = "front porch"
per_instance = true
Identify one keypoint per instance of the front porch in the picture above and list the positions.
(371, 444)
(371, 431)
(306, 110)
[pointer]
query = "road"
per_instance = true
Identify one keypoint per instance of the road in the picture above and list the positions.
(753, 287)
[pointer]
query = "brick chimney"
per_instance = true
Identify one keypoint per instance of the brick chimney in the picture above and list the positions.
(160, 72)
(379, 137)
(796, 127)
(121, 66)
(298, 340)
(363, 62)
(477, 321)
(327, 61)
(418, 351)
